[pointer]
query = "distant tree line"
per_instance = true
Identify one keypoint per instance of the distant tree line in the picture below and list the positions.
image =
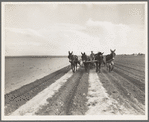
(137, 54)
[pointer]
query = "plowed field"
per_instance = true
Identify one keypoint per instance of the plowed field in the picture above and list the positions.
(120, 92)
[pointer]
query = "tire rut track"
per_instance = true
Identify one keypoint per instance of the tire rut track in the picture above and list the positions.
(78, 104)
(124, 92)
(17, 98)
(136, 75)
(134, 81)
(135, 91)
(67, 101)
(130, 67)
(72, 94)
(60, 103)
(114, 92)
(131, 64)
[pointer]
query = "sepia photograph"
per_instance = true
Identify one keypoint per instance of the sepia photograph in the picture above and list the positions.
(74, 61)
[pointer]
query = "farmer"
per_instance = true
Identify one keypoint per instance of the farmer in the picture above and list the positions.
(92, 58)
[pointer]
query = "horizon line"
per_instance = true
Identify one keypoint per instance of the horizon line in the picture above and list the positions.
(57, 55)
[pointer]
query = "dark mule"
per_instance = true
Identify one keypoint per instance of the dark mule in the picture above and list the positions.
(85, 58)
(73, 59)
(109, 60)
(99, 58)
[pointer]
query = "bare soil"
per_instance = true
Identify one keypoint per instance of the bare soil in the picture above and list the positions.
(125, 85)
(17, 98)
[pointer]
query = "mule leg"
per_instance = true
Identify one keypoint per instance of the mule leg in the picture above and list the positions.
(93, 65)
(109, 67)
(76, 66)
(112, 66)
(99, 67)
(88, 67)
(78, 62)
(72, 67)
(96, 67)
(112, 63)
(85, 66)
(104, 63)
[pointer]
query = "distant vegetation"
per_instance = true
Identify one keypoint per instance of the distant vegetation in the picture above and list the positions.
(35, 56)
(134, 54)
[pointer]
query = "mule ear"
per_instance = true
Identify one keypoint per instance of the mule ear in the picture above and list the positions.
(114, 50)
(81, 53)
(103, 53)
(110, 50)
(69, 52)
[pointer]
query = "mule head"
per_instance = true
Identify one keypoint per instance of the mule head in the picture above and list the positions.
(83, 57)
(113, 54)
(100, 54)
(70, 52)
(70, 56)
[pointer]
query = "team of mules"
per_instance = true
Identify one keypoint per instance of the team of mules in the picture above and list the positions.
(93, 60)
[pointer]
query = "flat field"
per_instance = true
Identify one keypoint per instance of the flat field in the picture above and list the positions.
(120, 92)
(20, 71)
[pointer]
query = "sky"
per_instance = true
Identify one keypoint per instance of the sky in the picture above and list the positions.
(56, 28)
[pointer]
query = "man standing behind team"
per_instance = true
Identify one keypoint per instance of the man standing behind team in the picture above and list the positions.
(92, 57)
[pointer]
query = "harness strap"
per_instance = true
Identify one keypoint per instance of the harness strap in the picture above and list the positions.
(109, 60)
